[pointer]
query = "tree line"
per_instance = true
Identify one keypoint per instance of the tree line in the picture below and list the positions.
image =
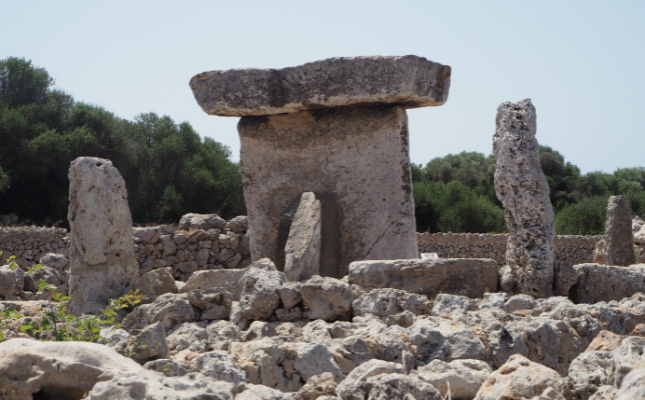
(170, 170)
(456, 193)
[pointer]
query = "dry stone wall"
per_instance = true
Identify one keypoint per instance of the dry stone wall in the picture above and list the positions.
(572, 249)
(229, 249)
(29, 244)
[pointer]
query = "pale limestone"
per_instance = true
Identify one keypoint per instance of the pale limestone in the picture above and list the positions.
(524, 192)
(102, 263)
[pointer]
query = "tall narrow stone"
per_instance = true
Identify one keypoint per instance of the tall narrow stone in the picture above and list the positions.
(335, 126)
(102, 263)
(619, 237)
(523, 190)
(302, 250)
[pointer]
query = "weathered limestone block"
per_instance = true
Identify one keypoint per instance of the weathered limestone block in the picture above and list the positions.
(335, 82)
(470, 277)
(638, 229)
(102, 262)
(619, 237)
(302, 250)
(327, 152)
(605, 283)
(524, 192)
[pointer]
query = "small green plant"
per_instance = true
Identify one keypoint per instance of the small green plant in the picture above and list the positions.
(56, 324)
(5, 316)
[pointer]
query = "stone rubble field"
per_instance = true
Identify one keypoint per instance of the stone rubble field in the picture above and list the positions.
(251, 334)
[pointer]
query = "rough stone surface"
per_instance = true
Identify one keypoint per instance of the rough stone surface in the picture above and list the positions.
(321, 148)
(518, 378)
(58, 368)
(302, 250)
(155, 283)
(619, 237)
(462, 378)
(150, 385)
(523, 190)
(467, 277)
(326, 298)
(605, 283)
(638, 230)
(633, 386)
(191, 222)
(259, 297)
(335, 82)
(101, 255)
(12, 281)
(354, 386)
(169, 309)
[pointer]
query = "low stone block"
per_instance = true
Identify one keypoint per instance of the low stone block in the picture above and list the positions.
(467, 277)
(605, 283)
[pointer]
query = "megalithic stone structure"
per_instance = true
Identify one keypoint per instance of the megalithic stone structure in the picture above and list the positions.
(523, 190)
(336, 127)
(619, 236)
(101, 255)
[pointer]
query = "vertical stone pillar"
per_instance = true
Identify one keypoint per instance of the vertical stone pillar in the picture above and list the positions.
(523, 190)
(335, 126)
(102, 263)
(619, 236)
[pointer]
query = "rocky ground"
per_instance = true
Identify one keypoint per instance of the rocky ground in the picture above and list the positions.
(250, 334)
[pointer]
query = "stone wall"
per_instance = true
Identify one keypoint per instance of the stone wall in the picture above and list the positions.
(28, 244)
(573, 249)
(189, 251)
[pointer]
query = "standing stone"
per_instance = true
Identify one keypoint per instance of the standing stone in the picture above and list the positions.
(619, 238)
(102, 263)
(336, 126)
(523, 190)
(302, 250)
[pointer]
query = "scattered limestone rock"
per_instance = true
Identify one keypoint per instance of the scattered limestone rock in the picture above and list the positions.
(519, 378)
(155, 283)
(169, 309)
(151, 385)
(166, 366)
(326, 298)
(461, 378)
(193, 222)
(259, 297)
(149, 345)
(58, 368)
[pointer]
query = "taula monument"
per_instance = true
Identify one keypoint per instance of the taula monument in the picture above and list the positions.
(336, 128)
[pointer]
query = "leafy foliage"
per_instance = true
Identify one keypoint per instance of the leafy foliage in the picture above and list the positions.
(168, 168)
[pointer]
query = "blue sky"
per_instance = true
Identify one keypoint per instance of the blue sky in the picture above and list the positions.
(581, 62)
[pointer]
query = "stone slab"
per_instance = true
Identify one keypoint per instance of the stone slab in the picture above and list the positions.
(605, 283)
(470, 277)
(302, 250)
(361, 155)
(409, 81)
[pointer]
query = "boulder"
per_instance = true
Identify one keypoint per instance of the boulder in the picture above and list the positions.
(518, 378)
(101, 250)
(214, 303)
(448, 303)
(166, 366)
(227, 279)
(523, 190)
(461, 276)
(638, 230)
(193, 222)
(400, 386)
(314, 359)
(150, 344)
(354, 386)
(219, 366)
(55, 369)
(326, 298)
(387, 302)
(169, 309)
(151, 385)
(12, 281)
(605, 283)
(461, 378)
(259, 297)
(155, 283)
(260, 392)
